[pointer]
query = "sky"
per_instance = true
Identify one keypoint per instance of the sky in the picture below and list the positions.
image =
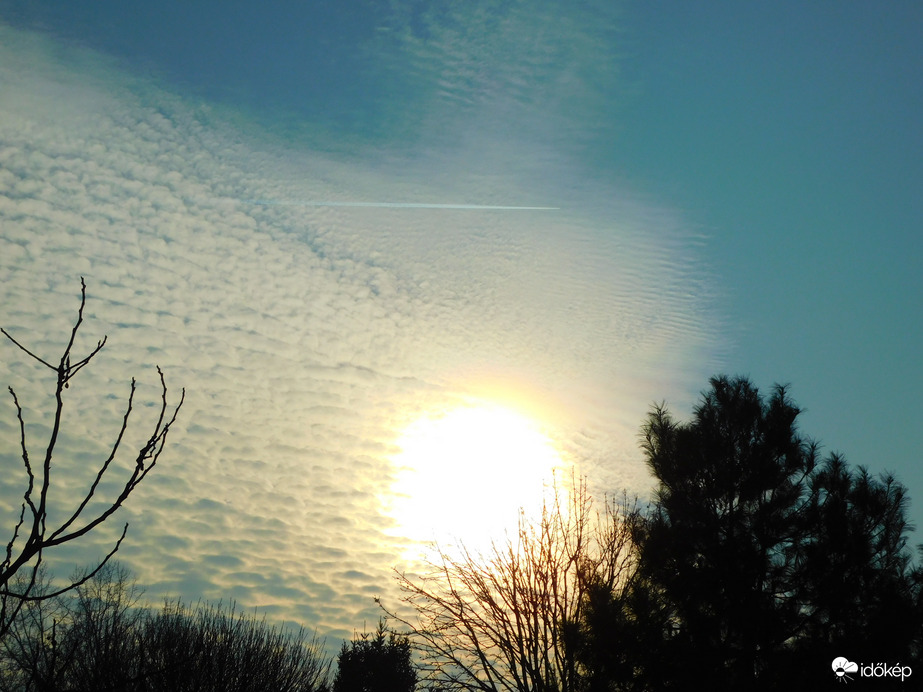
(278, 205)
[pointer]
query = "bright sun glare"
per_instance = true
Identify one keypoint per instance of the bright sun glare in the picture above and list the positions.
(465, 474)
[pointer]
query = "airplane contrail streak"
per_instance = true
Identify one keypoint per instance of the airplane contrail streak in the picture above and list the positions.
(393, 205)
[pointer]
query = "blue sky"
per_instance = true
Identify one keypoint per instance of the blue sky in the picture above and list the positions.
(790, 134)
(738, 191)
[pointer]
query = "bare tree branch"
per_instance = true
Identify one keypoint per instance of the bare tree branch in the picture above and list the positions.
(23, 348)
(498, 621)
(30, 538)
(73, 584)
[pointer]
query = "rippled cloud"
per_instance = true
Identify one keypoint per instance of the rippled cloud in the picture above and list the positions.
(308, 338)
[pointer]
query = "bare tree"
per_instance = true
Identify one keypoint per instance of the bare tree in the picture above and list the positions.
(99, 637)
(85, 638)
(503, 621)
(32, 535)
(218, 648)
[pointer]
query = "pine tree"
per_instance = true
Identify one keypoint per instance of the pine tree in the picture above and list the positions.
(376, 663)
(758, 562)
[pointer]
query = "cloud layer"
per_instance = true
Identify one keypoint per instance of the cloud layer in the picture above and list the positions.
(308, 338)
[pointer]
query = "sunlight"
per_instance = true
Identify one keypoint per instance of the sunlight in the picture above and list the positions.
(464, 475)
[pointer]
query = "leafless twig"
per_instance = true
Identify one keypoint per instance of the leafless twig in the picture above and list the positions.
(32, 536)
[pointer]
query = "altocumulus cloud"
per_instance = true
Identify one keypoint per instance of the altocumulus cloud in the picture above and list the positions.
(307, 338)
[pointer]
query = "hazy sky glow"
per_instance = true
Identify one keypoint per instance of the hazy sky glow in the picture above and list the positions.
(278, 208)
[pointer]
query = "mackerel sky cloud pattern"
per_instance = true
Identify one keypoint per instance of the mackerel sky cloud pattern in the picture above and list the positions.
(307, 338)
(735, 189)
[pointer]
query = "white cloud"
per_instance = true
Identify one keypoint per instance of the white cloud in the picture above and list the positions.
(305, 337)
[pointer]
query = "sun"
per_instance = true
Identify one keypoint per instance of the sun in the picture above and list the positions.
(465, 474)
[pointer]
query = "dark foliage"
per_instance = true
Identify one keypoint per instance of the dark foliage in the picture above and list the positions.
(758, 562)
(375, 663)
(97, 638)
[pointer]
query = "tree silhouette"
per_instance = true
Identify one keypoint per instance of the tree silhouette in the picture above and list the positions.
(856, 582)
(377, 663)
(96, 637)
(32, 536)
(81, 639)
(212, 649)
(758, 563)
(504, 620)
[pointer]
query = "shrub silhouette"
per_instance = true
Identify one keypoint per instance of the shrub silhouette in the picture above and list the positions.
(97, 638)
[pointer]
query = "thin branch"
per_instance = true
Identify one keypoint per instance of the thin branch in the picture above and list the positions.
(27, 496)
(150, 451)
(73, 585)
(38, 538)
(72, 370)
(65, 359)
(9, 546)
(493, 621)
(23, 348)
(103, 468)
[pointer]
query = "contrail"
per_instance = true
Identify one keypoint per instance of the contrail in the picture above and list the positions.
(392, 205)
